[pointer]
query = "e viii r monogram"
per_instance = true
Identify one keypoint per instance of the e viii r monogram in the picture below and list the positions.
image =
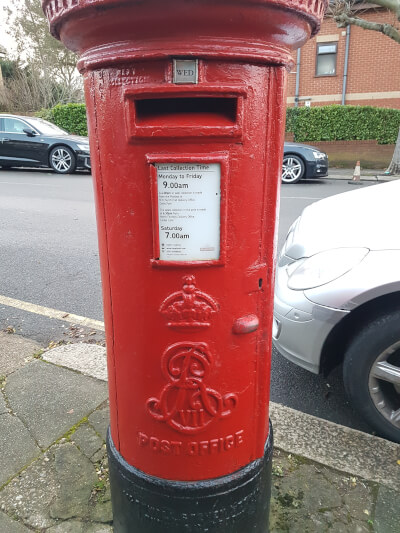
(186, 404)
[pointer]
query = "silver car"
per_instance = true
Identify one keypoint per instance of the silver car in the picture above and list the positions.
(337, 298)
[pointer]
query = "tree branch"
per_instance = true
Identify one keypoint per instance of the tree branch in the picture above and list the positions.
(390, 31)
(392, 5)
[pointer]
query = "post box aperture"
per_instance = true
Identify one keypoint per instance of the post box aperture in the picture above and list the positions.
(202, 110)
(186, 111)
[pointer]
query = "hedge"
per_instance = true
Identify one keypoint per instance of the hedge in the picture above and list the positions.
(343, 123)
(326, 123)
(70, 117)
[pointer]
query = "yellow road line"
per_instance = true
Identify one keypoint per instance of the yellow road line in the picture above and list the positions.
(52, 313)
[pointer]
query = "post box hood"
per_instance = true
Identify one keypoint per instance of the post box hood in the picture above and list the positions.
(267, 30)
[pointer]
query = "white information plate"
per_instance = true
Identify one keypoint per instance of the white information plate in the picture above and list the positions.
(186, 70)
(189, 205)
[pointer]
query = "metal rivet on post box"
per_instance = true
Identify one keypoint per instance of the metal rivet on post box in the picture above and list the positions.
(186, 111)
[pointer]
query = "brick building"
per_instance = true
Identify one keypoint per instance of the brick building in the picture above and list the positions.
(373, 66)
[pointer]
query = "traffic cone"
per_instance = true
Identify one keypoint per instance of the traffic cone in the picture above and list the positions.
(356, 175)
(357, 172)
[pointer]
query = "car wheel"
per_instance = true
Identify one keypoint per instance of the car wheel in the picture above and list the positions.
(292, 169)
(371, 373)
(62, 160)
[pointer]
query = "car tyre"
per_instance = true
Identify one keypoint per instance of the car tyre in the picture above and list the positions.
(293, 168)
(62, 160)
(371, 374)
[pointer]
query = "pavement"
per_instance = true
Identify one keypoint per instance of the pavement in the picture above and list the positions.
(366, 175)
(54, 476)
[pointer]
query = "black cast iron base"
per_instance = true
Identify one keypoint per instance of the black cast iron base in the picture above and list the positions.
(238, 503)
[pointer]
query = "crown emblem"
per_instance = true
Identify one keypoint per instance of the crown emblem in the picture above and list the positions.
(190, 307)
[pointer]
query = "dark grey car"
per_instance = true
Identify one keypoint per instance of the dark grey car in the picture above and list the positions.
(302, 161)
(34, 142)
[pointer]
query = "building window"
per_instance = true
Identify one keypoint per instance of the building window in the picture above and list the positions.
(326, 59)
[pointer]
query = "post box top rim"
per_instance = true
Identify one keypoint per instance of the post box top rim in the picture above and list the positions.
(58, 10)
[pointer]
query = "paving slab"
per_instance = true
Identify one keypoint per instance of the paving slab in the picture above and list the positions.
(359, 500)
(50, 400)
(30, 494)
(310, 487)
(69, 526)
(87, 440)
(74, 526)
(14, 352)
(102, 512)
(387, 511)
(61, 491)
(3, 406)
(309, 498)
(77, 478)
(99, 455)
(17, 447)
(100, 420)
(8, 525)
(90, 359)
(98, 528)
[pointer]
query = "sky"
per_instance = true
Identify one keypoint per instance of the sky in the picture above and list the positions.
(5, 40)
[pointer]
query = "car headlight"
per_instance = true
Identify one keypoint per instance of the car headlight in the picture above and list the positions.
(323, 267)
(319, 155)
(83, 147)
(289, 238)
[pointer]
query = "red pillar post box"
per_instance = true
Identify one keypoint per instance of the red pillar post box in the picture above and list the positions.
(186, 110)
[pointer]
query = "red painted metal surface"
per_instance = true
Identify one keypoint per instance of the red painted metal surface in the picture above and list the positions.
(188, 342)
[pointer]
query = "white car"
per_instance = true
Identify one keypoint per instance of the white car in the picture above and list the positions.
(337, 298)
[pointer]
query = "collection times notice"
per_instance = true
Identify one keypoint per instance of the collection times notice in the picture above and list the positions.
(189, 204)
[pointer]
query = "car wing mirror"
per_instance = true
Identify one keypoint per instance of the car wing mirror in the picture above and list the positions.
(29, 132)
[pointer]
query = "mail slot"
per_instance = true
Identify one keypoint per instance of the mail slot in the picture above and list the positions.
(186, 110)
(205, 111)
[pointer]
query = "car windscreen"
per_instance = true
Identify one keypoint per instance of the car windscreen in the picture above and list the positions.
(46, 127)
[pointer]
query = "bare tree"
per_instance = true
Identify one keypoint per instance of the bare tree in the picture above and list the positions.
(29, 89)
(45, 56)
(352, 12)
